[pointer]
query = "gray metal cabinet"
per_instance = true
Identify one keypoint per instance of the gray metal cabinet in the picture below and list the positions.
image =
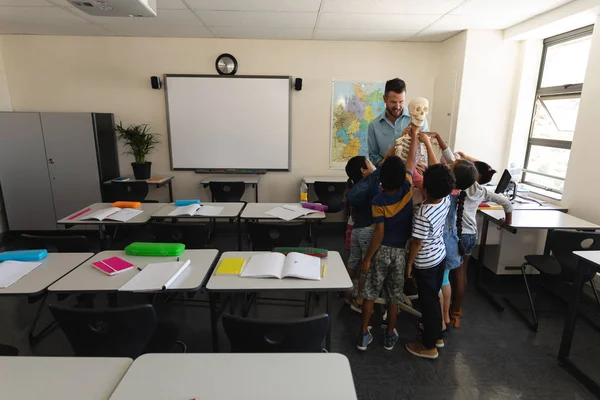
(49, 167)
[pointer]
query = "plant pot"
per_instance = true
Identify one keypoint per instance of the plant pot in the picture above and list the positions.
(142, 171)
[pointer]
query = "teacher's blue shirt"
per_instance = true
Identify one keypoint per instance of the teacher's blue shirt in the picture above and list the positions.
(382, 133)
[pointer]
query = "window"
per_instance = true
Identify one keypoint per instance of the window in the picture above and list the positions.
(564, 61)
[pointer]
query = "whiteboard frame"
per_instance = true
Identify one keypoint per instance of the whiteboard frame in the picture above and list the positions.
(289, 78)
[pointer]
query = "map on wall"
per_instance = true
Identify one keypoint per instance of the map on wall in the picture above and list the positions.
(354, 106)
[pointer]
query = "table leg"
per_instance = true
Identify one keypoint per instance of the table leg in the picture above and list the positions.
(256, 190)
(214, 319)
(239, 233)
(171, 190)
(569, 327)
(485, 292)
(35, 337)
(328, 337)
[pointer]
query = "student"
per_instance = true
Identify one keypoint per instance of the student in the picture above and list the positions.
(363, 186)
(385, 261)
(465, 175)
(467, 232)
(427, 256)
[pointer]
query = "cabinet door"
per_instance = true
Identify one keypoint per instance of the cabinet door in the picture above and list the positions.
(72, 161)
(24, 173)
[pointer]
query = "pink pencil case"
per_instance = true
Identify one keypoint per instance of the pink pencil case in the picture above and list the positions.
(315, 206)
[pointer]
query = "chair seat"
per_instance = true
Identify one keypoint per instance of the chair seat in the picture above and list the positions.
(545, 264)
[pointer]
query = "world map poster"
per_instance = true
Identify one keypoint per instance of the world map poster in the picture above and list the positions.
(354, 106)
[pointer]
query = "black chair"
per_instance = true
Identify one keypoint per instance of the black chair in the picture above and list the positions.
(304, 335)
(227, 192)
(561, 265)
(194, 236)
(6, 350)
(265, 236)
(57, 244)
(129, 191)
(331, 194)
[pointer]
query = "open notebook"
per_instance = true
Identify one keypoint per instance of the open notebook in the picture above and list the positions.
(113, 214)
(276, 265)
(155, 277)
(288, 212)
(196, 209)
(12, 271)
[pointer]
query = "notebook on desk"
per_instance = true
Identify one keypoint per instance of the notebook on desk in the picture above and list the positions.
(155, 277)
(112, 266)
(198, 210)
(113, 214)
(276, 265)
(12, 271)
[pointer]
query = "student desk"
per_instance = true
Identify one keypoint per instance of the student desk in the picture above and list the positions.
(262, 376)
(588, 261)
(251, 180)
(547, 220)
(86, 278)
(58, 378)
(148, 208)
(336, 279)
(166, 180)
(230, 211)
(35, 283)
(256, 212)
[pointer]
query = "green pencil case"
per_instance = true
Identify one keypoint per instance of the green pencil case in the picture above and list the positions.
(150, 249)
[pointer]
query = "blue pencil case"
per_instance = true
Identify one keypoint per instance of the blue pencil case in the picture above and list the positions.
(182, 203)
(23, 255)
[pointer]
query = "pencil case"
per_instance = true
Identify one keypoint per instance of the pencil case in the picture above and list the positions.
(150, 249)
(23, 255)
(315, 206)
(127, 204)
(311, 251)
(182, 203)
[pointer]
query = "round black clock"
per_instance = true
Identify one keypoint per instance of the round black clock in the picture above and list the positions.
(226, 64)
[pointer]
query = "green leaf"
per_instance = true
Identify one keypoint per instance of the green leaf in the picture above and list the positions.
(138, 139)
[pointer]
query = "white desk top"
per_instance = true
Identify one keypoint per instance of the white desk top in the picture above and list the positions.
(230, 210)
(58, 378)
(257, 211)
(86, 278)
(164, 179)
(309, 180)
(229, 376)
(541, 219)
(250, 179)
(336, 278)
(592, 256)
(53, 267)
(148, 208)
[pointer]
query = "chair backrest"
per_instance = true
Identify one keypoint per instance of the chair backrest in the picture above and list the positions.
(265, 236)
(225, 192)
(57, 244)
(248, 335)
(113, 332)
(564, 243)
(193, 235)
(6, 350)
(129, 191)
(331, 194)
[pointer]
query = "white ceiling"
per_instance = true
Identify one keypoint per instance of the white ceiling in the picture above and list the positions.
(389, 20)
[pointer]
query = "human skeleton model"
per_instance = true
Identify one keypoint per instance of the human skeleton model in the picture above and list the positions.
(418, 109)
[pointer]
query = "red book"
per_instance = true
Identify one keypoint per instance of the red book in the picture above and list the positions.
(112, 266)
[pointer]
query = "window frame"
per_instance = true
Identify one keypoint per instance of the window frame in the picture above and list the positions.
(547, 93)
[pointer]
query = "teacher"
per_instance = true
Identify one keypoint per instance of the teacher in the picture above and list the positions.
(388, 127)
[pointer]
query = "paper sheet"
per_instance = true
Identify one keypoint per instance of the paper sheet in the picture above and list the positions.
(209, 211)
(155, 277)
(12, 271)
(185, 210)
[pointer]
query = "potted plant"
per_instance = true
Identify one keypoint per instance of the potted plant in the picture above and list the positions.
(141, 142)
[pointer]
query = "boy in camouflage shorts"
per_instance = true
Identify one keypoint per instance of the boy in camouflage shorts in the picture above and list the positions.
(385, 260)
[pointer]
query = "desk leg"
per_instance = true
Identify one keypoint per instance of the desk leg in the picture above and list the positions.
(485, 292)
(171, 190)
(32, 336)
(214, 319)
(239, 233)
(328, 337)
(256, 191)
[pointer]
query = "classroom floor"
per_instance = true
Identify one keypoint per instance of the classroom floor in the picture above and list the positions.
(493, 355)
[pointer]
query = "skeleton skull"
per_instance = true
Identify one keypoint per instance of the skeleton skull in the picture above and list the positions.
(418, 109)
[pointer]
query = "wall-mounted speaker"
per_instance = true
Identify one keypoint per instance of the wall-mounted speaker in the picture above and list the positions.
(298, 84)
(155, 82)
